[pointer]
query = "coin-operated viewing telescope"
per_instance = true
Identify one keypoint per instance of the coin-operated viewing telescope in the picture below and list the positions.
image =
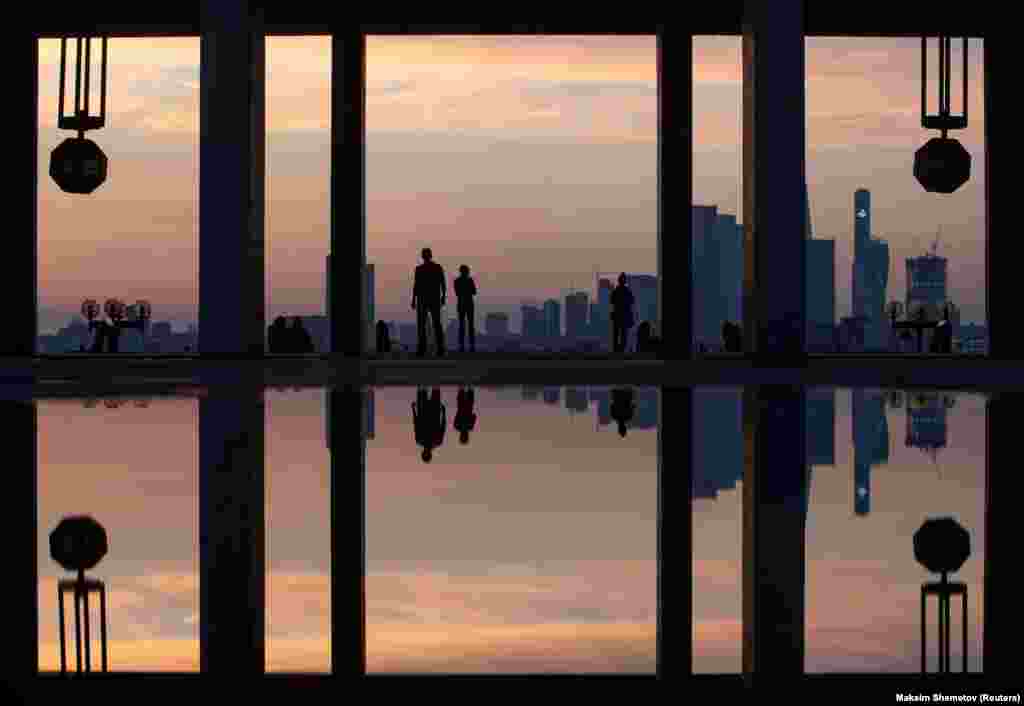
(942, 165)
(78, 543)
(77, 164)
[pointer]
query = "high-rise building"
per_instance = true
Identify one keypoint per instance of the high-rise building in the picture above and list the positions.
(718, 449)
(730, 267)
(645, 297)
(576, 314)
(821, 288)
(496, 324)
(707, 326)
(870, 275)
(552, 318)
(821, 426)
(533, 325)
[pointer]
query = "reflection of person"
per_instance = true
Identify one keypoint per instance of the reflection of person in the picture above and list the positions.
(428, 296)
(622, 407)
(429, 419)
(622, 314)
(465, 290)
(465, 417)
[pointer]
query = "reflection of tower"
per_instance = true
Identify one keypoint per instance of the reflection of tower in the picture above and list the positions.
(926, 421)
(552, 395)
(870, 274)
(575, 399)
(603, 397)
(645, 415)
(531, 392)
(871, 443)
(717, 440)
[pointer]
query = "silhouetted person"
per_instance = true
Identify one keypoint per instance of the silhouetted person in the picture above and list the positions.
(622, 314)
(465, 290)
(300, 340)
(622, 407)
(277, 336)
(383, 337)
(465, 417)
(428, 296)
(732, 337)
(429, 419)
(643, 337)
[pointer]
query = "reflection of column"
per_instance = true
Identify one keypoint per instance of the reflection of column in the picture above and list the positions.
(20, 523)
(675, 452)
(231, 532)
(774, 147)
(349, 325)
(675, 191)
(774, 519)
(348, 514)
(232, 147)
(1004, 621)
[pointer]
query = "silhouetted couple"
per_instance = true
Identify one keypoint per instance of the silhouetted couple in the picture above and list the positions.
(429, 293)
(622, 314)
(289, 339)
(430, 420)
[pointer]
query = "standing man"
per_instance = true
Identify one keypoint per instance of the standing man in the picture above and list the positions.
(465, 290)
(428, 296)
(622, 314)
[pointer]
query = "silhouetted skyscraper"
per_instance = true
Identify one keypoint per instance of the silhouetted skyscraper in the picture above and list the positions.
(718, 444)
(821, 288)
(576, 314)
(870, 274)
(552, 318)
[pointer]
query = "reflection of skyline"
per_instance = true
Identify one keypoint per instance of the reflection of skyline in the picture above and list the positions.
(862, 582)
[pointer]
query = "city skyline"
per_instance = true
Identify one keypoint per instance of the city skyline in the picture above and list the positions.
(480, 145)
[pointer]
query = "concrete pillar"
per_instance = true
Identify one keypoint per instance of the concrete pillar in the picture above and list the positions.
(675, 192)
(1003, 621)
(348, 193)
(348, 427)
(774, 144)
(232, 149)
(232, 547)
(774, 518)
(675, 453)
(1002, 254)
(18, 271)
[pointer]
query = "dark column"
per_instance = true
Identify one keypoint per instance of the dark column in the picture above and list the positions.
(19, 269)
(675, 453)
(232, 549)
(774, 515)
(1003, 621)
(20, 517)
(1002, 255)
(774, 251)
(231, 179)
(348, 192)
(346, 420)
(675, 192)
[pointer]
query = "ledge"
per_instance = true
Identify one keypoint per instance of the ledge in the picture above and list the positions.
(72, 376)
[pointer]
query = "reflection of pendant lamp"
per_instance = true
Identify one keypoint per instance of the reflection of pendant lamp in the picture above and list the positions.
(942, 545)
(78, 543)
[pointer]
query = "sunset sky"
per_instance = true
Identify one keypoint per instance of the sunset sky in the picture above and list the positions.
(531, 548)
(531, 159)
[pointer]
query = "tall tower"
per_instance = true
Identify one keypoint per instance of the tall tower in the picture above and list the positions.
(870, 273)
